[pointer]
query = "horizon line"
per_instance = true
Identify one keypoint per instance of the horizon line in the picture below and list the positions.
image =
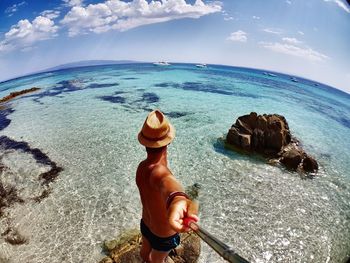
(115, 62)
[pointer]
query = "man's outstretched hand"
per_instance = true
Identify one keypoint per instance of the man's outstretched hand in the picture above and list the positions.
(180, 209)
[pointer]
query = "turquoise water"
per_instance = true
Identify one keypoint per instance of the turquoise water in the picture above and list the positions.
(86, 121)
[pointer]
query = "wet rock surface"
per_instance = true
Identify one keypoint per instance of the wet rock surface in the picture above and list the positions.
(127, 249)
(18, 93)
(270, 136)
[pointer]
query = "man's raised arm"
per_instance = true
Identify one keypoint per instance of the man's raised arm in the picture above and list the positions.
(178, 204)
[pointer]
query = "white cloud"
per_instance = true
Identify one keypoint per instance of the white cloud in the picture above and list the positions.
(120, 15)
(292, 40)
(288, 2)
(24, 34)
(239, 36)
(275, 31)
(73, 2)
(228, 18)
(295, 50)
(256, 17)
(50, 14)
(340, 4)
(301, 33)
(14, 8)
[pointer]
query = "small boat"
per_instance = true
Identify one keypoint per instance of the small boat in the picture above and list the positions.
(294, 79)
(269, 74)
(161, 63)
(201, 65)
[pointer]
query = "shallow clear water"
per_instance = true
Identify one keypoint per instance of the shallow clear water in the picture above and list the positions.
(86, 121)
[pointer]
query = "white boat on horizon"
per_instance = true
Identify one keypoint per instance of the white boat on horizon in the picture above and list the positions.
(270, 74)
(161, 63)
(201, 65)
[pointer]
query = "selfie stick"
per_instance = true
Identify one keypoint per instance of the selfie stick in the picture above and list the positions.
(222, 249)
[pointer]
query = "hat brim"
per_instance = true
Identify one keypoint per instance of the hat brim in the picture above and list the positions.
(157, 143)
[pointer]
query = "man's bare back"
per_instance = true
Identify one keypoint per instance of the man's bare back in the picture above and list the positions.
(148, 179)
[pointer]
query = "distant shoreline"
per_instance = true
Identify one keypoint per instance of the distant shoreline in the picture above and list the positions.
(84, 64)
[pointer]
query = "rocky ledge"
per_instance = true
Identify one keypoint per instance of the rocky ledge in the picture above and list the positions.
(18, 93)
(270, 136)
(127, 249)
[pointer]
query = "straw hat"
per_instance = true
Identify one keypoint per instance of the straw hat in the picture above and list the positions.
(157, 131)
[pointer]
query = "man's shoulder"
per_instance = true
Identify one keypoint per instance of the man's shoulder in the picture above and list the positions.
(157, 173)
(159, 170)
(141, 166)
(153, 169)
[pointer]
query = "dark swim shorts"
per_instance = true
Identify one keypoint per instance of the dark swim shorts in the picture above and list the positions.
(164, 244)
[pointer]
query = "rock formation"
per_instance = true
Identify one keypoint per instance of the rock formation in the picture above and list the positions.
(269, 135)
(18, 93)
(127, 249)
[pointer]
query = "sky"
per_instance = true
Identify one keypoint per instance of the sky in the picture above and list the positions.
(309, 38)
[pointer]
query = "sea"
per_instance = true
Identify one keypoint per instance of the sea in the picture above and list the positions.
(69, 154)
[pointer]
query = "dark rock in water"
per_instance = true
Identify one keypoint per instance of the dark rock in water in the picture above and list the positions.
(4, 121)
(166, 84)
(11, 194)
(291, 159)
(18, 93)
(263, 133)
(102, 85)
(270, 136)
(193, 190)
(51, 175)
(175, 114)
(150, 97)
(310, 164)
(127, 249)
(13, 237)
(45, 193)
(113, 99)
(40, 157)
(129, 78)
(8, 196)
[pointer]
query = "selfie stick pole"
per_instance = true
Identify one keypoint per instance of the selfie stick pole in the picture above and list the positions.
(222, 249)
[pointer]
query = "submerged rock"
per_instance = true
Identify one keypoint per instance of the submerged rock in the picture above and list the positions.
(8, 196)
(13, 237)
(270, 136)
(193, 191)
(127, 249)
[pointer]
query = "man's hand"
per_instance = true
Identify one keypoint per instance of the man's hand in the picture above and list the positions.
(180, 209)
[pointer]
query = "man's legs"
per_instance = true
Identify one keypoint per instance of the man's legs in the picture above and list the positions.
(145, 251)
(158, 256)
(150, 255)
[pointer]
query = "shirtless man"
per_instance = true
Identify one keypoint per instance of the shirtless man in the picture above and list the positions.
(164, 202)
